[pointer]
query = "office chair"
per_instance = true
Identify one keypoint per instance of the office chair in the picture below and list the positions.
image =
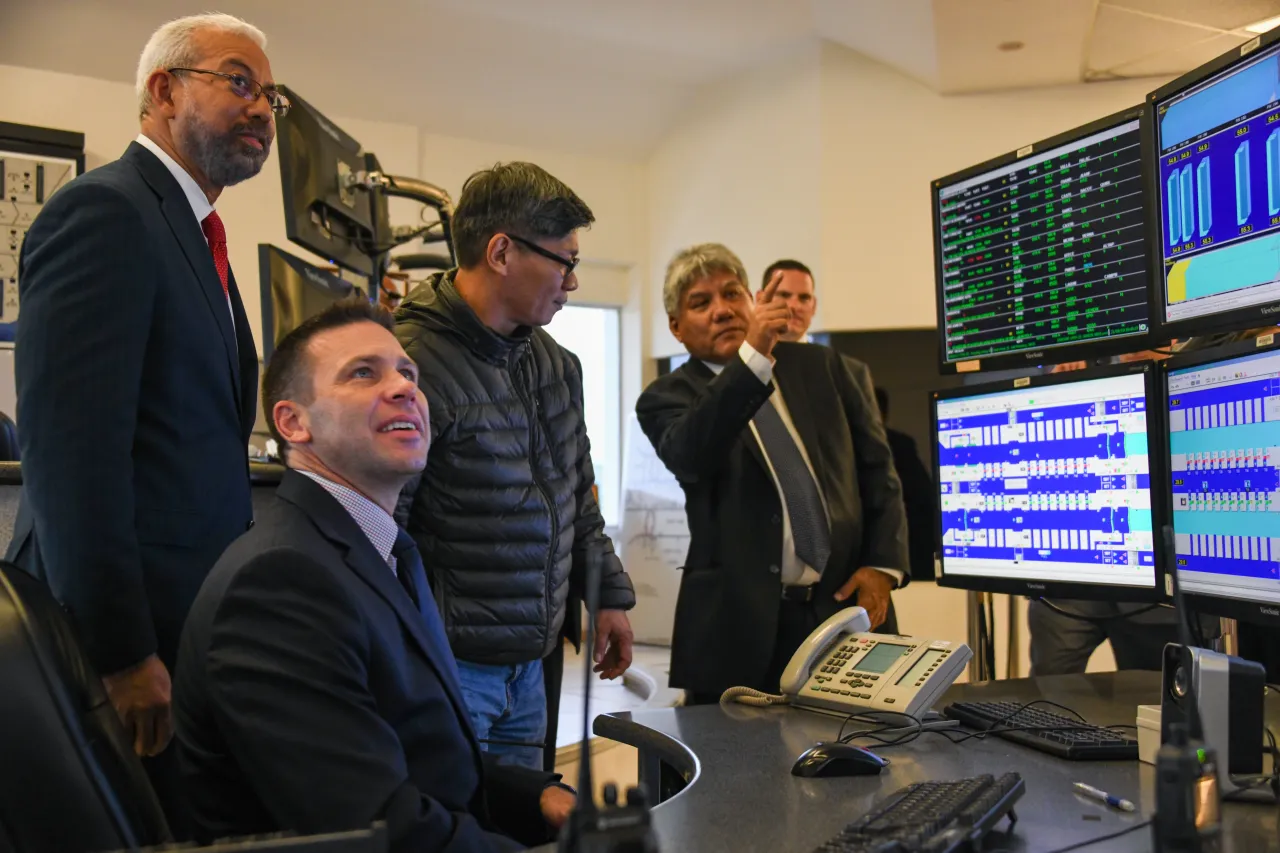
(8, 440)
(70, 781)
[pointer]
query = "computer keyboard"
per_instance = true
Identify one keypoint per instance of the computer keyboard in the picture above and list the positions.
(1055, 734)
(932, 817)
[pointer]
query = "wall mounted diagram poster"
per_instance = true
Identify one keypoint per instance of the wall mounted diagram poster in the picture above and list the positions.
(654, 536)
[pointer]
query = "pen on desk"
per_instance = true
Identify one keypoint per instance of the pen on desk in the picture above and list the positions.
(1102, 796)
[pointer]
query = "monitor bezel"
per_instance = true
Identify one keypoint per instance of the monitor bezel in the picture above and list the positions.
(350, 255)
(1158, 477)
(1254, 316)
(1067, 352)
(266, 253)
(1253, 612)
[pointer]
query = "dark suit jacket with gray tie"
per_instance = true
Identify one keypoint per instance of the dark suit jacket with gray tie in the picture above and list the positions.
(727, 609)
(313, 695)
(136, 397)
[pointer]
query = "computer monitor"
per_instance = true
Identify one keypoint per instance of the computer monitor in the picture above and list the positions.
(1045, 485)
(293, 290)
(1216, 213)
(323, 213)
(1040, 254)
(1224, 453)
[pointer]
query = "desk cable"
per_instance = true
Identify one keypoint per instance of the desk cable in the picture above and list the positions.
(1248, 784)
(917, 727)
(1098, 839)
(751, 696)
(921, 727)
(760, 699)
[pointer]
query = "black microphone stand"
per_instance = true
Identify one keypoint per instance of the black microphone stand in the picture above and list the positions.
(613, 828)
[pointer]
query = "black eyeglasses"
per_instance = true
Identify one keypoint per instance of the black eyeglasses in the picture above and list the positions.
(569, 264)
(247, 88)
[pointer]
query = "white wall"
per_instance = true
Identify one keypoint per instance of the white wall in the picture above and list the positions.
(106, 112)
(884, 138)
(742, 167)
(613, 189)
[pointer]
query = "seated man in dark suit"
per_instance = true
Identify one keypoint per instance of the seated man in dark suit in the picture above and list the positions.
(794, 508)
(316, 690)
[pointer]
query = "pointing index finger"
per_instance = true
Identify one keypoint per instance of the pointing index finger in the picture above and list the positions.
(772, 287)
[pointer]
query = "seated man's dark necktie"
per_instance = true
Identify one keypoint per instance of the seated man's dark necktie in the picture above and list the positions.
(407, 564)
(809, 527)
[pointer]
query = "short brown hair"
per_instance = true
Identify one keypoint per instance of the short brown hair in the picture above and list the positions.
(785, 264)
(288, 373)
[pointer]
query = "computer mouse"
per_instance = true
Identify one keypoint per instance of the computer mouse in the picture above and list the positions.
(837, 759)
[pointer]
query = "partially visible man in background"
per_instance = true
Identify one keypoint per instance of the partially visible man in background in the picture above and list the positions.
(919, 495)
(136, 369)
(504, 513)
(796, 289)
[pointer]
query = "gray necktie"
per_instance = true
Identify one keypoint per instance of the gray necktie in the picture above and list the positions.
(809, 526)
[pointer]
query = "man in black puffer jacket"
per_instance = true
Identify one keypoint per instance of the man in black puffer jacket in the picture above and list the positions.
(504, 514)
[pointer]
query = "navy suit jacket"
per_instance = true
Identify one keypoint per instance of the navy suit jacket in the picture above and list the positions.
(135, 404)
(313, 695)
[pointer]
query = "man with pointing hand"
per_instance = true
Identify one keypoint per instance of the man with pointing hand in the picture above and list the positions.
(794, 508)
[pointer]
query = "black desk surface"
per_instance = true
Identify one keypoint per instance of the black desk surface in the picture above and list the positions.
(260, 473)
(744, 798)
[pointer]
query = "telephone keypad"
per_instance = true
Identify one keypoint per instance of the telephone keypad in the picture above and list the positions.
(839, 676)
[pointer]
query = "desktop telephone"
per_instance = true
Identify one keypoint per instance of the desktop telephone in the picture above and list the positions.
(843, 667)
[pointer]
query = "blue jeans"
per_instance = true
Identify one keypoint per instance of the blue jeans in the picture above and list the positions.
(507, 702)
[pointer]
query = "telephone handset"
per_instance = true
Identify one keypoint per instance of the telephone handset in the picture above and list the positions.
(843, 667)
(849, 620)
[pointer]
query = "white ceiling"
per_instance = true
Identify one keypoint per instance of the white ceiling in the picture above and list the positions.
(610, 77)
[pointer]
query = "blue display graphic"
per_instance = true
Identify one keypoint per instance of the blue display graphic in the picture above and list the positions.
(1224, 442)
(1048, 483)
(1222, 184)
(1220, 188)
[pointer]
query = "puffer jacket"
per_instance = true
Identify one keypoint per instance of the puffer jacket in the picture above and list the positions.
(503, 514)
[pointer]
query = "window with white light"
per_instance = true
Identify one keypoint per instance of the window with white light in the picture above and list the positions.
(593, 335)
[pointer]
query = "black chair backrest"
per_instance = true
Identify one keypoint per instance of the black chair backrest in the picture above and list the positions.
(10, 498)
(69, 780)
(9, 440)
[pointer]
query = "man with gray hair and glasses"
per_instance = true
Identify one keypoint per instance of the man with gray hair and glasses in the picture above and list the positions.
(136, 367)
(794, 508)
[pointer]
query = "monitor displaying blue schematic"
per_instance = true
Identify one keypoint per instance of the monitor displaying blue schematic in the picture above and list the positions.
(1046, 489)
(1224, 445)
(1218, 141)
(1044, 248)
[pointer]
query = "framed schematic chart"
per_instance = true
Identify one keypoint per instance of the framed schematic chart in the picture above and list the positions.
(35, 162)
